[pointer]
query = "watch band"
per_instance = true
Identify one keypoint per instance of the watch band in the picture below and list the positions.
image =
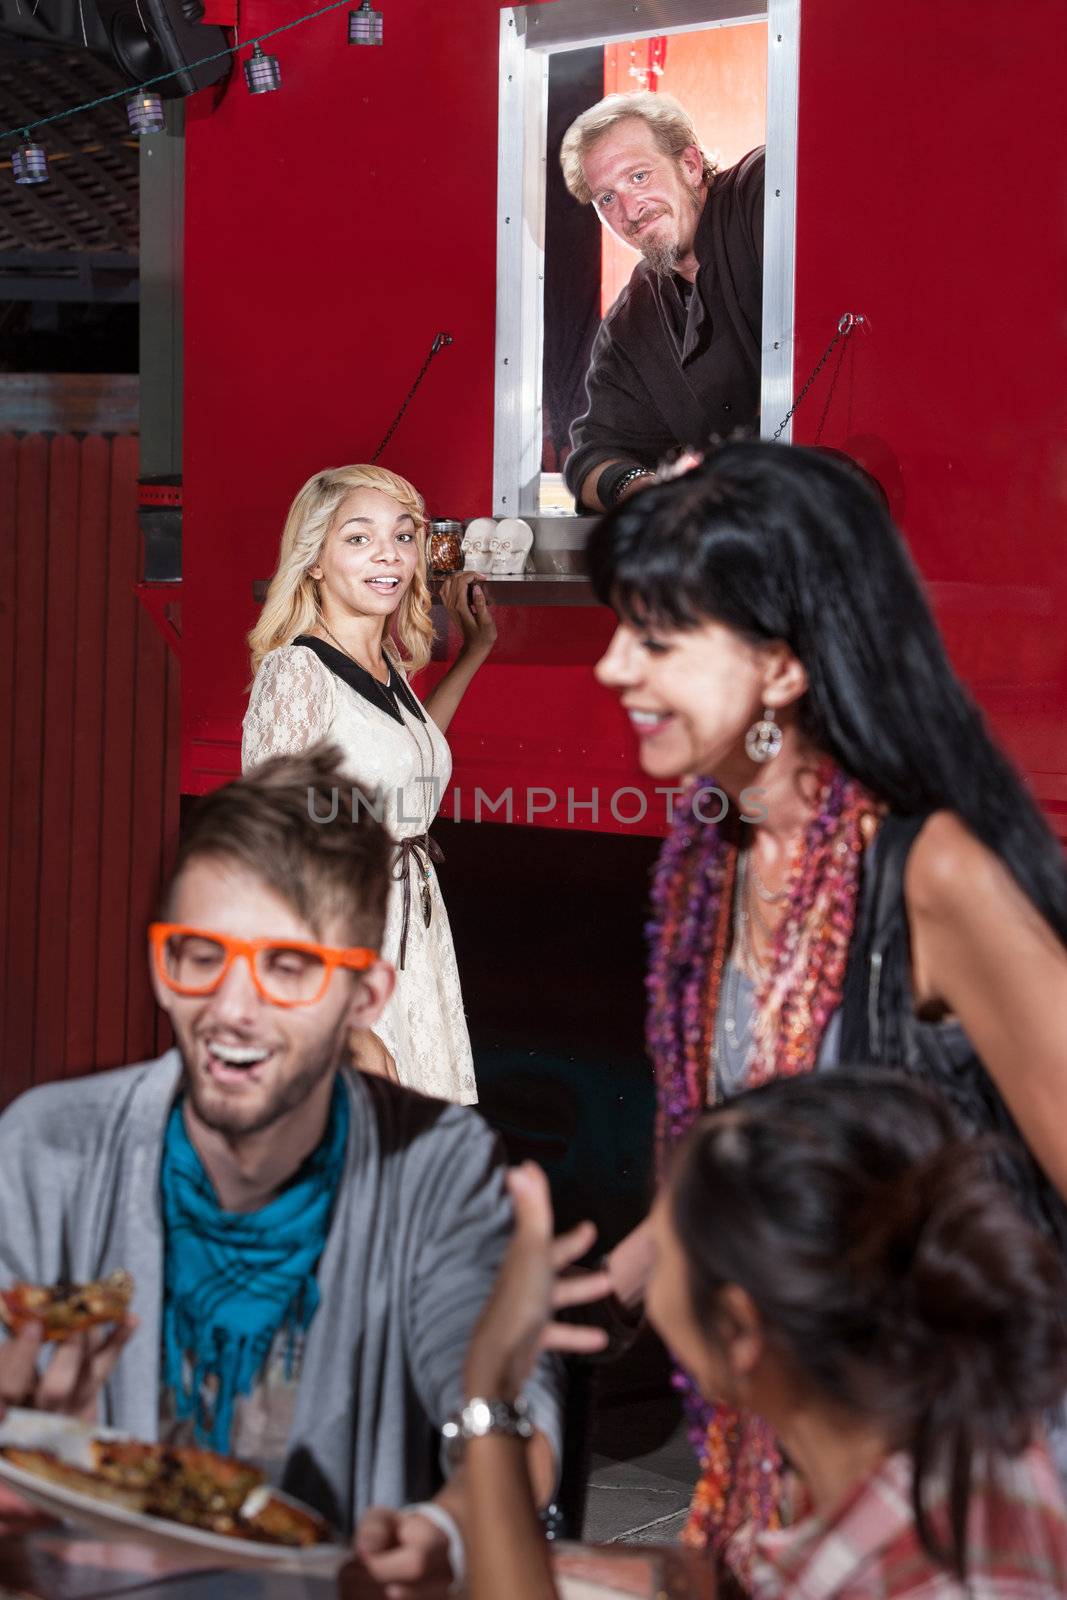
(481, 1417)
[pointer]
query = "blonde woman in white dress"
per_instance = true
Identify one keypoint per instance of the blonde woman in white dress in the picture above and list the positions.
(345, 621)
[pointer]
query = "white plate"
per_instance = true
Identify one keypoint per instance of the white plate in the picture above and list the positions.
(70, 1440)
(607, 1572)
(581, 1589)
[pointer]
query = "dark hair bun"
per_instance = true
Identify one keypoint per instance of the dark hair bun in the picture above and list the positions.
(888, 1262)
(884, 1254)
(974, 1300)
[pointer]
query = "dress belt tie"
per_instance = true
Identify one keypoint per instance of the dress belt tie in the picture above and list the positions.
(424, 849)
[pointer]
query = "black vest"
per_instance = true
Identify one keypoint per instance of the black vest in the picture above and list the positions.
(880, 1028)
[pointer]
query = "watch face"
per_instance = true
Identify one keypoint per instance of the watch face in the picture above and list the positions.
(478, 1418)
(481, 1417)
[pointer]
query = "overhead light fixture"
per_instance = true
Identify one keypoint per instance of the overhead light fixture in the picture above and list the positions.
(145, 112)
(365, 25)
(29, 163)
(263, 74)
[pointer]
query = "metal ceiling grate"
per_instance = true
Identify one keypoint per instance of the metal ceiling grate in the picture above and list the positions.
(91, 201)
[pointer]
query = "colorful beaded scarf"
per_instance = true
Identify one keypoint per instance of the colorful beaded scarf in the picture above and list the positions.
(691, 904)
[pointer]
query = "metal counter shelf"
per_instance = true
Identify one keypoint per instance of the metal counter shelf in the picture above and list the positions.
(539, 589)
(517, 589)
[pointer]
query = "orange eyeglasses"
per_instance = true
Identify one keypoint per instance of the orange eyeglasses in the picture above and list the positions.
(286, 972)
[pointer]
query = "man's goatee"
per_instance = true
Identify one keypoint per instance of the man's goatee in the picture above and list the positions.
(661, 257)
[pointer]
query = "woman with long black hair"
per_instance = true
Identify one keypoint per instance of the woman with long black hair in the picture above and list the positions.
(882, 886)
(829, 1253)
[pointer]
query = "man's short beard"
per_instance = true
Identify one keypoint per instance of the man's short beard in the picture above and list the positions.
(233, 1120)
(661, 255)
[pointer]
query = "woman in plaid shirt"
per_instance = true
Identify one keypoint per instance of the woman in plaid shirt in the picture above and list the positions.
(832, 1256)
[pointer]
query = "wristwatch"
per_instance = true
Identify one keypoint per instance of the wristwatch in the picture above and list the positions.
(481, 1417)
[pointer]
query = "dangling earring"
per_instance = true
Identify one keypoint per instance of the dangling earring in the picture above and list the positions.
(764, 739)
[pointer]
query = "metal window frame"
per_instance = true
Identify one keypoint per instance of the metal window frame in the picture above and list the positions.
(529, 35)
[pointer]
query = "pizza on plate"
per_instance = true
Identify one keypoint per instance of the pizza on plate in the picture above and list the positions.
(43, 1464)
(64, 1309)
(199, 1488)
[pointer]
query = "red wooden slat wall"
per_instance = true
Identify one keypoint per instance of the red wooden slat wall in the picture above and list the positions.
(89, 719)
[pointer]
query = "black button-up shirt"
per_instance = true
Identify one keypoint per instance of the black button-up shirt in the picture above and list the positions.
(672, 368)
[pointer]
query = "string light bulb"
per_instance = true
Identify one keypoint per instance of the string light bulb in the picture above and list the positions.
(263, 73)
(365, 26)
(145, 112)
(29, 163)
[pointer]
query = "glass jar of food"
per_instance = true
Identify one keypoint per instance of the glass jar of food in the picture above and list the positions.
(445, 547)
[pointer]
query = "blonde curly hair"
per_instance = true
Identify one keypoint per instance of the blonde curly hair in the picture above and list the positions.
(292, 603)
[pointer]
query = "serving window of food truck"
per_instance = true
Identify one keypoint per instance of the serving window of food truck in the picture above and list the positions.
(734, 68)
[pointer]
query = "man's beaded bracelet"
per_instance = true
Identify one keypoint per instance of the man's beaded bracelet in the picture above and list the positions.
(617, 478)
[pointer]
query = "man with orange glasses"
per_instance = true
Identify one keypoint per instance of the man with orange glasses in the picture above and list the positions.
(311, 1246)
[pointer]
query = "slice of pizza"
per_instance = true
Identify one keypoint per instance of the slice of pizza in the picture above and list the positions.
(199, 1488)
(184, 1484)
(279, 1520)
(127, 1462)
(215, 1477)
(43, 1464)
(64, 1309)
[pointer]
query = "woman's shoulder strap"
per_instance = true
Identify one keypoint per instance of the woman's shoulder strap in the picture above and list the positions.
(892, 846)
(880, 931)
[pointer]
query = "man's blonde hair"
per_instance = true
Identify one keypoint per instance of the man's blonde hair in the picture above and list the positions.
(672, 127)
(292, 603)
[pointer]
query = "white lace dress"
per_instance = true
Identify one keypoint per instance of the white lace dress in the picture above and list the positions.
(297, 700)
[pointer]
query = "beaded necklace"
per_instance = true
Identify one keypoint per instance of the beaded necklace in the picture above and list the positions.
(689, 934)
(692, 896)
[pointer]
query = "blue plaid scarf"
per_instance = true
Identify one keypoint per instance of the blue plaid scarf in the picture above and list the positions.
(233, 1280)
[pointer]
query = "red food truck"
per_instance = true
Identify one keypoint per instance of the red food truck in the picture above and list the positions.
(308, 246)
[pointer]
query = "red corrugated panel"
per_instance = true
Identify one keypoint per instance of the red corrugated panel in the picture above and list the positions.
(89, 757)
(8, 500)
(118, 758)
(60, 619)
(88, 718)
(31, 526)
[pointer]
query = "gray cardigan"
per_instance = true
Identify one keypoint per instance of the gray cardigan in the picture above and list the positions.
(419, 1228)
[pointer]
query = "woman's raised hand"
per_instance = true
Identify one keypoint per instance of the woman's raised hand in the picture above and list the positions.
(463, 597)
(518, 1322)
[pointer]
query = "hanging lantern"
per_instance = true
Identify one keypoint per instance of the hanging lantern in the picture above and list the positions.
(263, 74)
(29, 163)
(365, 25)
(145, 112)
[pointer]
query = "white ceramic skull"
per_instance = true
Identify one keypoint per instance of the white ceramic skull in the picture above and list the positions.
(478, 544)
(511, 546)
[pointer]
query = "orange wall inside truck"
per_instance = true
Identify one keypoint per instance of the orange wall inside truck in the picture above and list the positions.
(720, 76)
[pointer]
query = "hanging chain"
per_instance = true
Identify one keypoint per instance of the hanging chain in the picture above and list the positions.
(844, 329)
(831, 390)
(439, 343)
